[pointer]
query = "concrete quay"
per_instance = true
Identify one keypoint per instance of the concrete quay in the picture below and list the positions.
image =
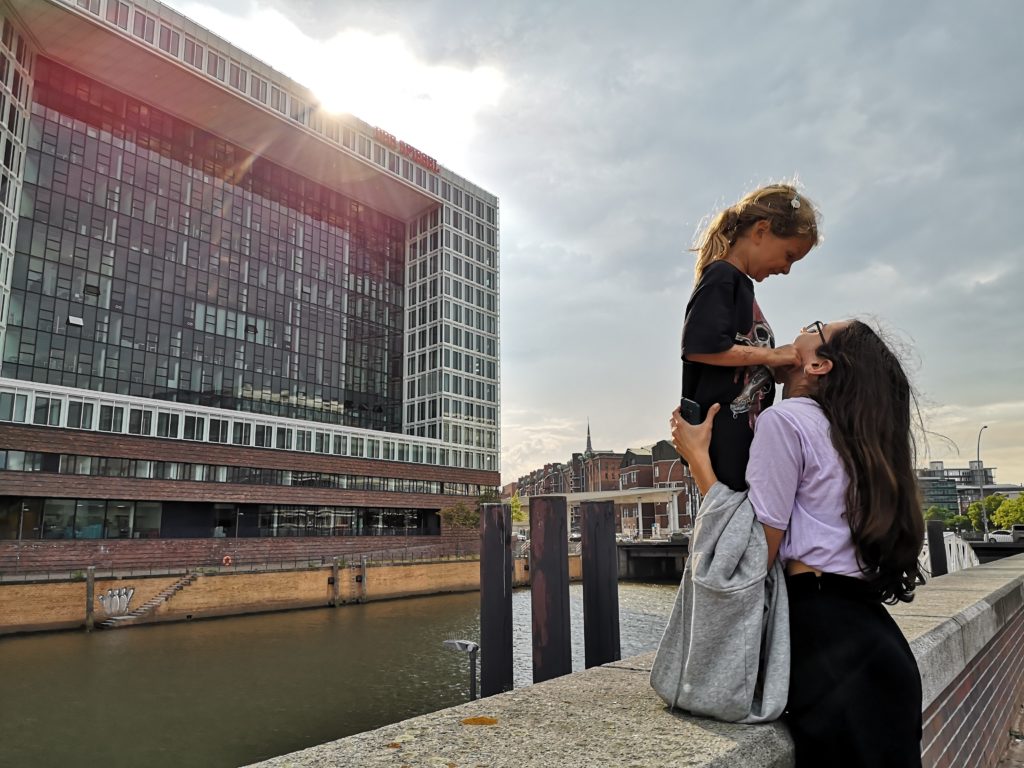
(966, 630)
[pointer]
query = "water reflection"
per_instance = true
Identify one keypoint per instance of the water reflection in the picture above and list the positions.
(233, 691)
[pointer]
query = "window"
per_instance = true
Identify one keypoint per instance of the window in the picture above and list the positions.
(58, 519)
(92, 6)
(258, 88)
(167, 425)
(144, 26)
(218, 431)
(194, 427)
(140, 421)
(111, 418)
(194, 56)
(238, 77)
(264, 436)
(241, 433)
(47, 411)
(170, 40)
(79, 415)
(215, 65)
(278, 98)
(117, 13)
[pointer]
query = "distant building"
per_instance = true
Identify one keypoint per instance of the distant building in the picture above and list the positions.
(956, 488)
(590, 471)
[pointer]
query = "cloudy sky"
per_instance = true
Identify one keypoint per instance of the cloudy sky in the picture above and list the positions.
(610, 130)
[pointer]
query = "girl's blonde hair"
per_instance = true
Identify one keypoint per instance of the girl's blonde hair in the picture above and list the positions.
(789, 214)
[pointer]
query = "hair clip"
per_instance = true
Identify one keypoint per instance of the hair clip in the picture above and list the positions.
(795, 202)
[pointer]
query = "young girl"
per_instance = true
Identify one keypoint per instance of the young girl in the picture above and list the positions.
(728, 347)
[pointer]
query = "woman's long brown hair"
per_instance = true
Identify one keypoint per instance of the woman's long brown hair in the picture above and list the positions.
(870, 404)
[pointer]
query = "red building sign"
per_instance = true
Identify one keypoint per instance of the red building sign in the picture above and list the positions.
(408, 150)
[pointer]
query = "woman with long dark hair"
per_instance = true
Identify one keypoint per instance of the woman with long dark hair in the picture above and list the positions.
(831, 477)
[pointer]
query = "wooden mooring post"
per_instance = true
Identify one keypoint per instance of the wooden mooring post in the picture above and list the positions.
(937, 548)
(495, 599)
(549, 587)
(600, 583)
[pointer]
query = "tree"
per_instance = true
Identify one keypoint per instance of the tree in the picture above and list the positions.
(991, 504)
(959, 523)
(935, 512)
(1010, 512)
(516, 505)
(461, 516)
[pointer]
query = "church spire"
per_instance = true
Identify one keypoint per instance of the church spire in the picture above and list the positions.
(590, 448)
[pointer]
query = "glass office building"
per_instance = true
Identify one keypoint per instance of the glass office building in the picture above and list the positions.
(224, 312)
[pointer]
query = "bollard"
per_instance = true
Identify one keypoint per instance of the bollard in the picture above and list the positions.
(937, 548)
(495, 599)
(600, 584)
(335, 573)
(90, 596)
(549, 587)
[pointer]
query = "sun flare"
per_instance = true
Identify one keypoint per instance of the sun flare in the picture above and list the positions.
(377, 78)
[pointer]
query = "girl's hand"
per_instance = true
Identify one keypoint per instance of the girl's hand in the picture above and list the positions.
(783, 357)
(692, 441)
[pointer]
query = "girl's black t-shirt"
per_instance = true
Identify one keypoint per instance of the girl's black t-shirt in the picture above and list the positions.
(722, 312)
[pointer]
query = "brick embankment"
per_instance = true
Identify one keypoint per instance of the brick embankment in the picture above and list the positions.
(964, 629)
(52, 556)
(50, 605)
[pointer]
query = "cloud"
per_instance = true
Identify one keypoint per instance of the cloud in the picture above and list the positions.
(617, 128)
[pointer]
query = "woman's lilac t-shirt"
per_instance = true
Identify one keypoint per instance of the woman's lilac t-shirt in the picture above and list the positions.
(798, 485)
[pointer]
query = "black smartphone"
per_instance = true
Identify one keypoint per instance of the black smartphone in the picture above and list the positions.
(690, 411)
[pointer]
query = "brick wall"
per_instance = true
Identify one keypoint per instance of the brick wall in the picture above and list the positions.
(968, 723)
(61, 605)
(43, 556)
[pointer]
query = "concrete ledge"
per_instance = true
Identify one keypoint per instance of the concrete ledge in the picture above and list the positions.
(610, 715)
(954, 617)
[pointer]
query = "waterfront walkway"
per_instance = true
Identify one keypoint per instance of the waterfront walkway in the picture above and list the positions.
(966, 630)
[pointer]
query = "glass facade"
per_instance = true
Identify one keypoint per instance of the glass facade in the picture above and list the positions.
(156, 260)
(48, 518)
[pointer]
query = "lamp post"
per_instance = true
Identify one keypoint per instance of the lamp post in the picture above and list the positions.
(981, 484)
(673, 519)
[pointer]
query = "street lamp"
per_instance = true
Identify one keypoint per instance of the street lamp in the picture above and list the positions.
(981, 484)
(467, 646)
(673, 520)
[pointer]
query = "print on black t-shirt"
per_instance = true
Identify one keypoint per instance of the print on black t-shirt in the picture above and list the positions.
(757, 379)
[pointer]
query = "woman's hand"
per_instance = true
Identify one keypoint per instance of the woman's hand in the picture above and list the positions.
(692, 442)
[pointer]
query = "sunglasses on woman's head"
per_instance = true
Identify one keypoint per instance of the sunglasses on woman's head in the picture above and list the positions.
(817, 327)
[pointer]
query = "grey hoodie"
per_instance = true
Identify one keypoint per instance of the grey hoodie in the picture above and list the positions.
(725, 652)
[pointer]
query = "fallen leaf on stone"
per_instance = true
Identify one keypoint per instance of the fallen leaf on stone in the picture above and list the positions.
(393, 745)
(480, 721)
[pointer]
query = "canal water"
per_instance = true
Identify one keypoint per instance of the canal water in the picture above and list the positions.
(232, 691)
